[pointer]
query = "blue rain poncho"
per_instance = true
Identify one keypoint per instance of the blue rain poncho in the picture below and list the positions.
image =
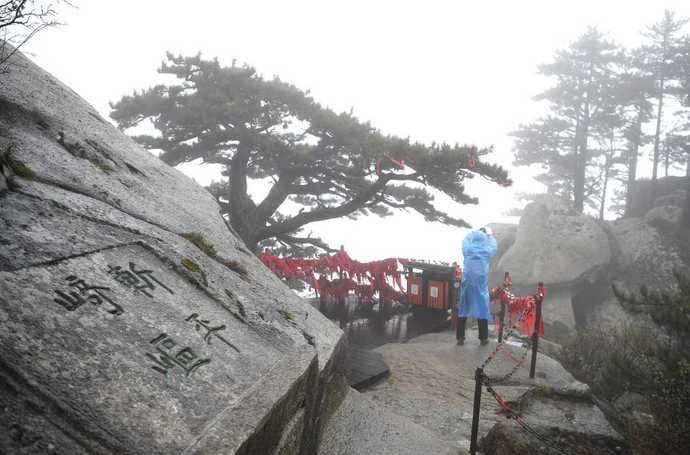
(477, 249)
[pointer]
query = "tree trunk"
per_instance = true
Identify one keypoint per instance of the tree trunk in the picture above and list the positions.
(581, 168)
(632, 163)
(581, 164)
(607, 170)
(602, 206)
(667, 159)
(657, 134)
(685, 221)
(238, 194)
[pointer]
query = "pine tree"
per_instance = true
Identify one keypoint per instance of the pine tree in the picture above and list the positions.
(583, 95)
(549, 142)
(661, 57)
(635, 87)
(683, 68)
(329, 164)
(676, 150)
(609, 156)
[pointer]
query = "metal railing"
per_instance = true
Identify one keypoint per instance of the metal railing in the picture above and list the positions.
(482, 380)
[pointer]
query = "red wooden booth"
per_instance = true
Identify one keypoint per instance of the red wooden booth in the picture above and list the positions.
(432, 286)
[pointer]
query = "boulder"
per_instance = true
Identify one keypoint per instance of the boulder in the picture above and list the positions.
(555, 247)
(676, 199)
(629, 402)
(132, 320)
(647, 195)
(505, 234)
(508, 439)
(554, 421)
(645, 257)
(564, 250)
(665, 217)
(610, 313)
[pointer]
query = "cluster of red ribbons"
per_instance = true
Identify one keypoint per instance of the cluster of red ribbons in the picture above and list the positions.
(522, 310)
(387, 161)
(338, 274)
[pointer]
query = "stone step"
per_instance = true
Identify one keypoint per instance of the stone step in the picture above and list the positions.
(363, 427)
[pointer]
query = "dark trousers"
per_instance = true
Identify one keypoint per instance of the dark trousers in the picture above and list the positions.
(483, 329)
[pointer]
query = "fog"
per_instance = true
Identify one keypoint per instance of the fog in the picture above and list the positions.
(433, 71)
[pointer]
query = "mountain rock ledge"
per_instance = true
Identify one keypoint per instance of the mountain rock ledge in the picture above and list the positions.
(132, 319)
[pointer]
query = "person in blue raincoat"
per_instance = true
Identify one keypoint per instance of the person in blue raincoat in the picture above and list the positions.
(473, 300)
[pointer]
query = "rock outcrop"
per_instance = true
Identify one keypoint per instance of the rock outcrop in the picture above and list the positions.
(645, 196)
(556, 247)
(132, 320)
(563, 249)
(432, 385)
(580, 259)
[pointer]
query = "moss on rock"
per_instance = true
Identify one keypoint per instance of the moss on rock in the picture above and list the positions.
(191, 265)
(201, 242)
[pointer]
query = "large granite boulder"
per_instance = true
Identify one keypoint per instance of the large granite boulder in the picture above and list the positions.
(556, 247)
(505, 234)
(647, 195)
(664, 217)
(561, 248)
(132, 320)
(580, 260)
(646, 255)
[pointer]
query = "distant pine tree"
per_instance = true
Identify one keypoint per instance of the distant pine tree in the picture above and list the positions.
(661, 56)
(584, 95)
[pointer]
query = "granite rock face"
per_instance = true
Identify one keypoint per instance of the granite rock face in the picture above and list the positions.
(132, 320)
(555, 247)
(581, 259)
(563, 249)
(664, 216)
(432, 384)
(646, 195)
(645, 256)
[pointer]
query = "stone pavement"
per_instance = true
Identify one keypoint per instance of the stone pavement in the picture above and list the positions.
(430, 392)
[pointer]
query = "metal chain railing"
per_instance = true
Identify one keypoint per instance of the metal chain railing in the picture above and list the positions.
(511, 414)
(504, 336)
(482, 380)
(517, 364)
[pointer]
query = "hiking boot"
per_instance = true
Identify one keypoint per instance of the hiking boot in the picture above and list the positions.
(484, 342)
(461, 342)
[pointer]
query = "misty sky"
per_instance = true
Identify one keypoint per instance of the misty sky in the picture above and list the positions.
(454, 71)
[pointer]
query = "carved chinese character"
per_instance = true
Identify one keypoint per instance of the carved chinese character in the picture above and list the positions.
(70, 301)
(82, 293)
(210, 331)
(168, 357)
(138, 280)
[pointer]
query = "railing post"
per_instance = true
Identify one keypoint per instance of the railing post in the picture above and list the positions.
(478, 382)
(502, 316)
(537, 323)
